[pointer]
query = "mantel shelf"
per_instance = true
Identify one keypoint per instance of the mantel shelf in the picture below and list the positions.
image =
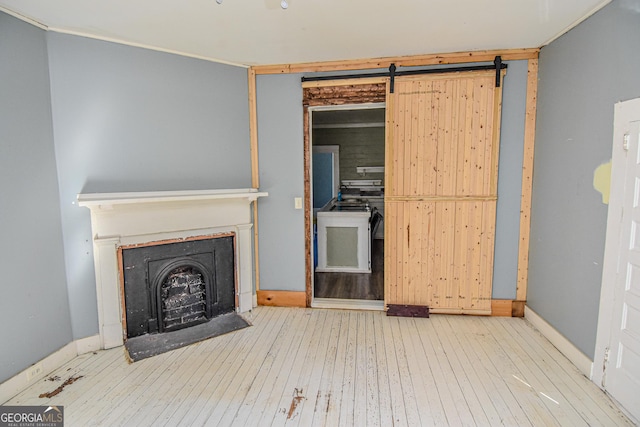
(96, 200)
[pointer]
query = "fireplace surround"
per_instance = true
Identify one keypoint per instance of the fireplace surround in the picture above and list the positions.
(120, 220)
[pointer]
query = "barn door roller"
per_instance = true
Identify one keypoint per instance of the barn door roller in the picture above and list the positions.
(498, 65)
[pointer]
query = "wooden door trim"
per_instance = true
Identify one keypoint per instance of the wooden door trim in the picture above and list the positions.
(345, 82)
(400, 61)
(308, 226)
(255, 175)
(527, 180)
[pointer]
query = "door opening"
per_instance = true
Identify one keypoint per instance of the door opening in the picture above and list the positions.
(347, 174)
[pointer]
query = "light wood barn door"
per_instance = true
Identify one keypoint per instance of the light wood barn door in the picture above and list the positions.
(441, 191)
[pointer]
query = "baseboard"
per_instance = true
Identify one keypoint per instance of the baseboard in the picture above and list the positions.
(517, 308)
(507, 308)
(22, 380)
(566, 347)
(282, 298)
(87, 345)
(501, 307)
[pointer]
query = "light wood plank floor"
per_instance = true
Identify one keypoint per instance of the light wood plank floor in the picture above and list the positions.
(315, 367)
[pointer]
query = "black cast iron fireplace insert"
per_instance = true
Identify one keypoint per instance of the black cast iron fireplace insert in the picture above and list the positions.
(177, 285)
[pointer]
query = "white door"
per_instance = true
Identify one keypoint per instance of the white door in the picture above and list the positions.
(618, 342)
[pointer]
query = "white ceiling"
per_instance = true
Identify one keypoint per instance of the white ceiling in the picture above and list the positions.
(260, 32)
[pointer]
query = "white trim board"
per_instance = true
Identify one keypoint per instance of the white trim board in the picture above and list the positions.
(22, 380)
(566, 347)
(24, 18)
(107, 200)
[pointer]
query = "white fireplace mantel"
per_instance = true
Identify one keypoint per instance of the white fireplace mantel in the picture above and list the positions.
(109, 199)
(122, 219)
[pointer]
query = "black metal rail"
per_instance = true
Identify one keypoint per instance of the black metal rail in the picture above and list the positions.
(498, 65)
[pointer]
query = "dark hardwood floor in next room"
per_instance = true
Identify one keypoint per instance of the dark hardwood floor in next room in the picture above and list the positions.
(368, 286)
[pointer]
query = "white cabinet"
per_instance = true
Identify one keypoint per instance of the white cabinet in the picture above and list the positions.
(344, 242)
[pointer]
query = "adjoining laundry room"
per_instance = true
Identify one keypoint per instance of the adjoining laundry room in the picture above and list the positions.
(348, 157)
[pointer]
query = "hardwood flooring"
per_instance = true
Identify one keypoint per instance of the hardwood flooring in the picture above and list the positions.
(318, 367)
(366, 286)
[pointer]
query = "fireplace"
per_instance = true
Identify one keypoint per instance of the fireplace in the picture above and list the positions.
(171, 286)
(189, 285)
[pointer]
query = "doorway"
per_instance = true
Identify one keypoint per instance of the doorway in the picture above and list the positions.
(347, 192)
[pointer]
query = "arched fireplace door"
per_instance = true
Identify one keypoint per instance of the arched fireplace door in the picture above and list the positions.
(184, 295)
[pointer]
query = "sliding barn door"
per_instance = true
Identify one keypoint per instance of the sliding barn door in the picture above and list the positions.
(441, 191)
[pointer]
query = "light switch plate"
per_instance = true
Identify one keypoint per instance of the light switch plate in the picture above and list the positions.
(298, 202)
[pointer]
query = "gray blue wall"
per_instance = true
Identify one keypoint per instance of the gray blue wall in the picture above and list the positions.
(81, 115)
(131, 119)
(582, 75)
(281, 159)
(505, 267)
(34, 308)
(281, 227)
